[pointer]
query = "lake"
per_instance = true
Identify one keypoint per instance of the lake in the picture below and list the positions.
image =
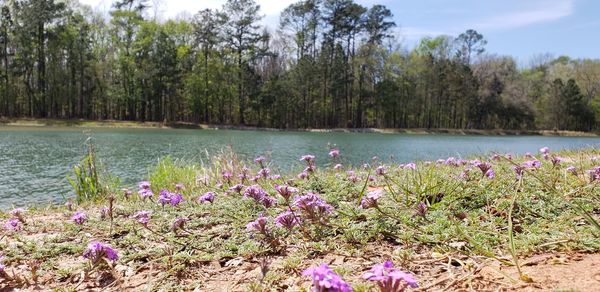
(34, 161)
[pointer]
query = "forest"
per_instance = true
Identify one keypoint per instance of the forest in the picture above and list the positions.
(326, 64)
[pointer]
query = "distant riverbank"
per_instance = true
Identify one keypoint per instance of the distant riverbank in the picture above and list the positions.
(183, 125)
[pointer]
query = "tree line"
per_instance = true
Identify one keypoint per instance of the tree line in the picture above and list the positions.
(328, 63)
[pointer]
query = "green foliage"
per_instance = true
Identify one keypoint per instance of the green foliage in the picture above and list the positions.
(330, 64)
(88, 180)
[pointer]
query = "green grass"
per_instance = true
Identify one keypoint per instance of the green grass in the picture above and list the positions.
(549, 210)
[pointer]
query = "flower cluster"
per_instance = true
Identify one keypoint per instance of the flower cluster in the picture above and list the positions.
(259, 225)
(313, 207)
(594, 174)
(486, 169)
(411, 166)
(334, 153)
(310, 166)
(207, 197)
(390, 279)
(287, 219)
(145, 191)
(13, 224)
(285, 191)
(96, 251)
(326, 280)
(259, 195)
(380, 170)
(79, 217)
(165, 197)
(142, 217)
(421, 209)
(370, 200)
(18, 213)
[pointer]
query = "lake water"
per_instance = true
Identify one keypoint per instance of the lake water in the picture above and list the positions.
(34, 161)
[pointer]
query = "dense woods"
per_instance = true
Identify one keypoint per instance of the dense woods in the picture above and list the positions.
(329, 63)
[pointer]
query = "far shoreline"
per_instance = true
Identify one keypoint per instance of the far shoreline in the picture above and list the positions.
(76, 123)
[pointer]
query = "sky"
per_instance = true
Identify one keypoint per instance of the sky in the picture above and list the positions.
(520, 28)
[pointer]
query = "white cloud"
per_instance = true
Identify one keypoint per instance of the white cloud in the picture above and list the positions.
(544, 11)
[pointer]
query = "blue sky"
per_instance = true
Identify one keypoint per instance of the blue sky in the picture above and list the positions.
(521, 28)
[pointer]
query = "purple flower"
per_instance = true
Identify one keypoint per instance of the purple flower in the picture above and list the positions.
(285, 191)
(104, 213)
(164, 197)
(259, 195)
(421, 209)
(179, 224)
(146, 193)
(236, 188)
(326, 280)
(389, 279)
(268, 201)
(380, 170)
(260, 160)
(96, 251)
(259, 225)
(255, 192)
(264, 172)
(545, 150)
(528, 155)
(227, 175)
(79, 217)
(286, 219)
(483, 166)
(12, 224)
(312, 206)
(495, 157)
(338, 167)
(555, 160)
(370, 200)
(144, 185)
(411, 165)
(309, 168)
(352, 177)
(518, 171)
(532, 164)
(308, 158)
(303, 175)
(594, 174)
(18, 213)
(179, 187)
(451, 161)
(142, 217)
(176, 199)
(334, 153)
(572, 170)
(207, 197)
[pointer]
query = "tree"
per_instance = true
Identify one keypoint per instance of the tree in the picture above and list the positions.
(207, 25)
(470, 43)
(242, 34)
